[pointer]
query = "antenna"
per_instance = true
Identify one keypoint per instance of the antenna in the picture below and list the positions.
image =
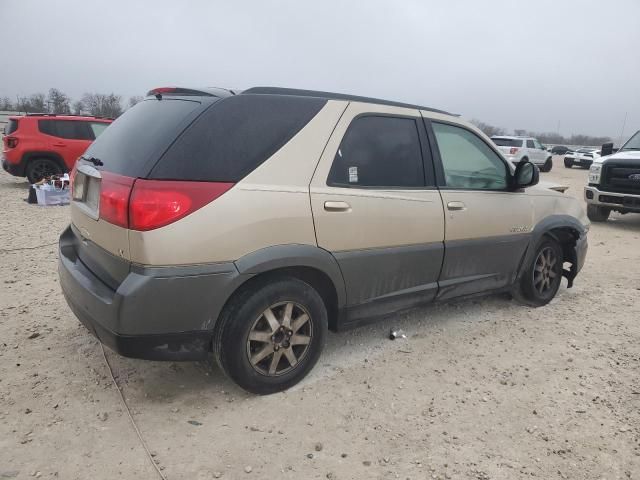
(624, 123)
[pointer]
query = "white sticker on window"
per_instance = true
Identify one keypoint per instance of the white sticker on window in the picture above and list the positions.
(353, 174)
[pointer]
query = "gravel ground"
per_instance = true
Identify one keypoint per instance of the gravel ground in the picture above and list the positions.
(480, 389)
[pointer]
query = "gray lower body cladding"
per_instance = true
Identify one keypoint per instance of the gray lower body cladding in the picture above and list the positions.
(164, 313)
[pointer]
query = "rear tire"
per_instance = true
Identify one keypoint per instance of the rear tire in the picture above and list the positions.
(39, 168)
(541, 279)
(547, 165)
(596, 213)
(271, 334)
(568, 163)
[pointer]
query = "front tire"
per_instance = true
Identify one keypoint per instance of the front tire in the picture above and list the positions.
(271, 334)
(568, 163)
(540, 281)
(39, 168)
(596, 213)
(547, 165)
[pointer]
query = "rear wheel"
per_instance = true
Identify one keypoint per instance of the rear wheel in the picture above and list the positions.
(540, 281)
(39, 168)
(596, 213)
(568, 163)
(271, 335)
(547, 165)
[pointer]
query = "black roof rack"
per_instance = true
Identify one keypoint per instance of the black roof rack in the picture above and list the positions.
(66, 115)
(335, 96)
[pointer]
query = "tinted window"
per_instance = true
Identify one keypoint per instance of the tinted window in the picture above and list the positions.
(379, 152)
(234, 136)
(507, 142)
(468, 162)
(11, 127)
(530, 144)
(633, 143)
(140, 134)
(97, 128)
(69, 129)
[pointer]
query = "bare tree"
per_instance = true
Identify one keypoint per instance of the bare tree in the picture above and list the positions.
(134, 100)
(519, 132)
(78, 107)
(102, 105)
(489, 130)
(58, 102)
(5, 104)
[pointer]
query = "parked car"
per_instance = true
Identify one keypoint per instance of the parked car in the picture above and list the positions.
(245, 226)
(40, 145)
(614, 181)
(582, 157)
(560, 150)
(518, 149)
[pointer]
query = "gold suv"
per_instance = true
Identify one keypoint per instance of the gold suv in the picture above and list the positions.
(248, 224)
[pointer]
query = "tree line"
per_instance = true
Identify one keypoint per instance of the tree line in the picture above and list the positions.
(95, 104)
(544, 138)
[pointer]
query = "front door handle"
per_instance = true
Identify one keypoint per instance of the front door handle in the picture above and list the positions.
(456, 206)
(337, 206)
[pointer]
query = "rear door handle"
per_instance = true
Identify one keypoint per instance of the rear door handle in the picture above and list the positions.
(337, 206)
(59, 144)
(456, 206)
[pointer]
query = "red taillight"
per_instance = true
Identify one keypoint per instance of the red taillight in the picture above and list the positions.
(115, 191)
(156, 203)
(12, 142)
(161, 90)
(513, 151)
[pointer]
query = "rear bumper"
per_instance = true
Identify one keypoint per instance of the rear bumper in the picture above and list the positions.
(161, 313)
(14, 169)
(583, 162)
(617, 201)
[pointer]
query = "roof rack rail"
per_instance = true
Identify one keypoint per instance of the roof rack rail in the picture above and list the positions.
(67, 115)
(336, 96)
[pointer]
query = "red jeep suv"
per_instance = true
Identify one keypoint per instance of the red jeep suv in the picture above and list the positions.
(39, 145)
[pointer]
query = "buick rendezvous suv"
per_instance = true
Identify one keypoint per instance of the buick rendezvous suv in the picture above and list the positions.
(614, 181)
(245, 226)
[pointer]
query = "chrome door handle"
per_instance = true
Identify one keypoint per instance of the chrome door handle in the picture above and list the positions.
(337, 206)
(456, 206)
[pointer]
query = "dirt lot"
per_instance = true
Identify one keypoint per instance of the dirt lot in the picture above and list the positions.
(482, 389)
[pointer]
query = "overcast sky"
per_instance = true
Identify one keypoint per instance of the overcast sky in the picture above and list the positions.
(518, 64)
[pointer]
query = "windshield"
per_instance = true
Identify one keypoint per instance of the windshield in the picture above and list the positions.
(633, 143)
(507, 142)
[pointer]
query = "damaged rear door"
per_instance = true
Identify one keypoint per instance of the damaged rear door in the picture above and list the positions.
(377, 210)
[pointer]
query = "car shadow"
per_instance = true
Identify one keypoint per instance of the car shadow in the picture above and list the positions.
(626, 222)
(194, 382)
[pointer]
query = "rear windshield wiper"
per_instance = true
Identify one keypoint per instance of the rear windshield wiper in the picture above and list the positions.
(96, 161)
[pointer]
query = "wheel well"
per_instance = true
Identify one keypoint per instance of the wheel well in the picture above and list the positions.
(567, 237)
(319, 280)
(28, 157)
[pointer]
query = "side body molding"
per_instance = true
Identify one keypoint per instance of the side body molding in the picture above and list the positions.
(283, 256)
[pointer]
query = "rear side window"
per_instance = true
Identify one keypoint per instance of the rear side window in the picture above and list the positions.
(379, 151)
(140, 135)
(11, 127)
(507, 142)
(235, 136)
(69, 129)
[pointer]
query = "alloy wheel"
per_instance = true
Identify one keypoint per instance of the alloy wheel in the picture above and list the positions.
(279, 338)
(544, 272)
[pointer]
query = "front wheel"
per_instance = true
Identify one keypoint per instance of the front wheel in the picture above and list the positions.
(271, 334)
(568, 163)
(547, 166)
(541, 279)
(596, 213)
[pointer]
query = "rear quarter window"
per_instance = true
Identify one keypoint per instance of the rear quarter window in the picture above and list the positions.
(12, 126)
(234, 136)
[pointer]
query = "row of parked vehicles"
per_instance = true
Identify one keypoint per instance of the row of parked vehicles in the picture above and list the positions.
(246, 225)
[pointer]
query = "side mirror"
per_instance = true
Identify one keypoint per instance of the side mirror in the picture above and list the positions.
(526, 175)
(607, 149)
